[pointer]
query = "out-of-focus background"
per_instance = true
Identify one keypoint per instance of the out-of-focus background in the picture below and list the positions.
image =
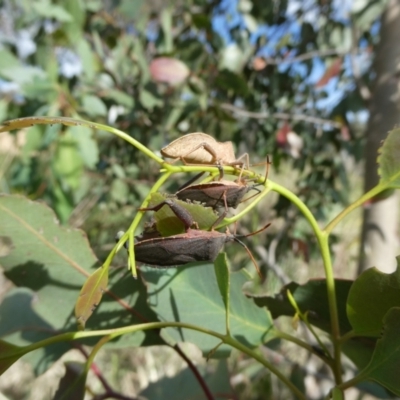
(313, 84)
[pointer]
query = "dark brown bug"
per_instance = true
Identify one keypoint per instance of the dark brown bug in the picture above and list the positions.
(181, 212)
(193, 245)
(171, 251)
(220, 193)
(215, 194)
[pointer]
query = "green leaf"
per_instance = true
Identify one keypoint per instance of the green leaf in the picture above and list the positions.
(7, 60)
(372, 295)
(233, 58)
(337, 394)
(48, 10)
(126, 9)
(93, 106)
(228, 80)
(87, 146)
(167, 222)
(148, 100)
(119, 191)
(385, 363)
(67, 162)
(23, 74)
(7, 354)
(43, 252)
(89, 60)
(120, 97)
(311, 297)
(366, 12)
(190, 294)
(90, 295)
(72, 384)
(389, 160)
(223, 279)
(222, 273)
(21, 325)
(40, 87)
(54, 262)
(297, 377)
(166, 24)
(26, 122)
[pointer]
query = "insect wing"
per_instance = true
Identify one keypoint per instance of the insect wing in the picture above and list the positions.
(180, 249)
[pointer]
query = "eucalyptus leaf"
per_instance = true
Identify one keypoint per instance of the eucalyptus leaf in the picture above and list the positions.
(54, 262)
(93, 106)
(312, 299)
(385, 363)
(389, 160)
(191, 294)
(371, 296)
(90, 295)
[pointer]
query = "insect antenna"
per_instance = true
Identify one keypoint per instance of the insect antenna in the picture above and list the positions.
(251, 257)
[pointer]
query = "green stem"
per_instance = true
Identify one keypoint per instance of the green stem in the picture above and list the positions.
(238, 216)
(95, 350)
(331, 292)
(129, 234)
(322, 238)
(347, 336)
(114, 333)
(367, 196)
(299, 204)
(128, 139)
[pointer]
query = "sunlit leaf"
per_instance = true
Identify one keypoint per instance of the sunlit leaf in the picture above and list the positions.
(371, 296)
(385, 363)
(54, 262)
(389, 160)
(191, 294)
(93, 106)
(87, 146)
(222, 273)
(149, 100)
(20, 123)
(48, 10)
(90, 295)
(67, 162)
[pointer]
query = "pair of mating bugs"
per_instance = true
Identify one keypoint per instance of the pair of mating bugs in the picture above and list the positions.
(194, 244)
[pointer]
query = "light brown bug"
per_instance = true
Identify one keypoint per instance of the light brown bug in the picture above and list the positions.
(200, 148)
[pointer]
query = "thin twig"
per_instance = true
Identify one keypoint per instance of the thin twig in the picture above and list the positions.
(306, 56)
(109, 392)
(279, 115)
(195, 372)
